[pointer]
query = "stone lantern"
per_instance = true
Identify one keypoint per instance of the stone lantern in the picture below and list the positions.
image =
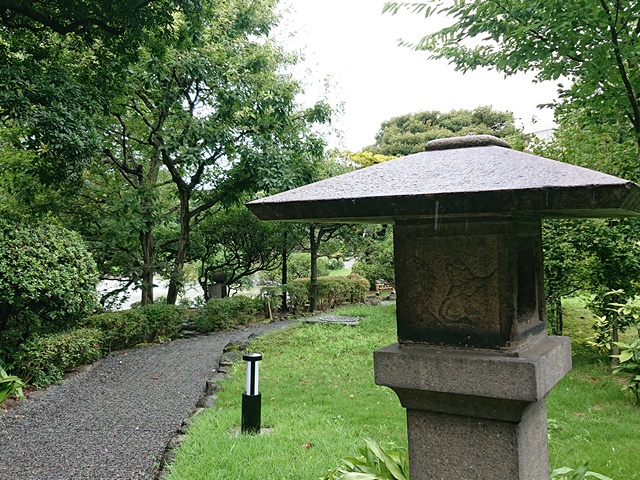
(473, 363)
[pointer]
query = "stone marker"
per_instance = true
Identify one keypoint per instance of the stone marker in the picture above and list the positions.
(473, 363)
(219, 288)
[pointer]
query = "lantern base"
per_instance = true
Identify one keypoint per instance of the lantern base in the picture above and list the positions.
(477, 415)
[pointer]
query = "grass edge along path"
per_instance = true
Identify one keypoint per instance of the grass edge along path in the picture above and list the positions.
(320, 401)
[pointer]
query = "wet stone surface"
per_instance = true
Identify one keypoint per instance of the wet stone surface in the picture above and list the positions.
(341, 319)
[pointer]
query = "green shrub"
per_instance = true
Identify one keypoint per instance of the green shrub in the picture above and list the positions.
(121, 329)
(194, 302)
(163, 321)
(10, 386)
(47, 280)
(223, 313)
(378, 463)
(332, 291)
(270, 299)
(629, 363)
(566, 473)
(145, 324)
(298, 294)
(42, 361)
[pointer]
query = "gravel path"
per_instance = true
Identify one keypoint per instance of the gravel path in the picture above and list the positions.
(113, 421)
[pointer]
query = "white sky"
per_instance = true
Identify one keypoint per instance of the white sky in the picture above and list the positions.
(355, 47)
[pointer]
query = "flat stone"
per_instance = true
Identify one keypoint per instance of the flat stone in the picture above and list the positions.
(526, 375)
(466, 142)
(344, 320)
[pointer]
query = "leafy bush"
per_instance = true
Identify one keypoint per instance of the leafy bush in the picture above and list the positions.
(332, 291)
(42, 361)
(163, 321)
(374, 463)
(378, 463)
(223, 313)
(146, 324)
(194, 302)
(120, 329)
(298, 295)
(47, 279)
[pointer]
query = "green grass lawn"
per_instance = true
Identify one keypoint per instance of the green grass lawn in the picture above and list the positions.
(592, 419)
(342, 272)
(319, 401)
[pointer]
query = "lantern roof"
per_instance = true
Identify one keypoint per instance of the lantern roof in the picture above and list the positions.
(458, 177)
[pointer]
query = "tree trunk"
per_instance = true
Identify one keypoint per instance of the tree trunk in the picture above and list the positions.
(554, 314)
(203, 280)
(615, 350)
(283, 306)
(148, 267)
(313, 289)
(5, 313)
(147, 207)
(176, 282)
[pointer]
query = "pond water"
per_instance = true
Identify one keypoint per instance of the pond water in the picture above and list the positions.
(133, 295)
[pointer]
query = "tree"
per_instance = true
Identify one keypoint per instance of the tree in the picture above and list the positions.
(565, 268)
(613, 271)
(90, 19)
(601, 257)
(217, 112)
(605, 147)
(126, 221)
(597, 49)
(61, 65)
(235, 242)
(47, 278)
(319, 234)
(374, 254)
(365, 158)
(409, 133)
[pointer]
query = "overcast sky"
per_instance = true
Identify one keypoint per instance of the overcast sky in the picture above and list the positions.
(350, 44)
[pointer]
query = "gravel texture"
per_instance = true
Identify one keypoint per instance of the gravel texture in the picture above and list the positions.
(114, 420)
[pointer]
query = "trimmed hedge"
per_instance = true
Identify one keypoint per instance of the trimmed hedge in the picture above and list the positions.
(140, 325)
(223, 313)
(332, 291)
(42, 361)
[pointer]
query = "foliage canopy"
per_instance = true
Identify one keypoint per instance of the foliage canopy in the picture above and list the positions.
(409, 133)
(596, 49)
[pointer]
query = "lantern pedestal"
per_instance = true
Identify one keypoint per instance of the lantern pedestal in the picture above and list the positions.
(475, 415)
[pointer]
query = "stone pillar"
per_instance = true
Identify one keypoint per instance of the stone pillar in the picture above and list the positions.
(473, 364)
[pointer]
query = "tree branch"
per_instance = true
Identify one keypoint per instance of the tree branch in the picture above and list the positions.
(631, 96)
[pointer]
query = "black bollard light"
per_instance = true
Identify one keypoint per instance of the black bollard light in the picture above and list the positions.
(251, 398)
